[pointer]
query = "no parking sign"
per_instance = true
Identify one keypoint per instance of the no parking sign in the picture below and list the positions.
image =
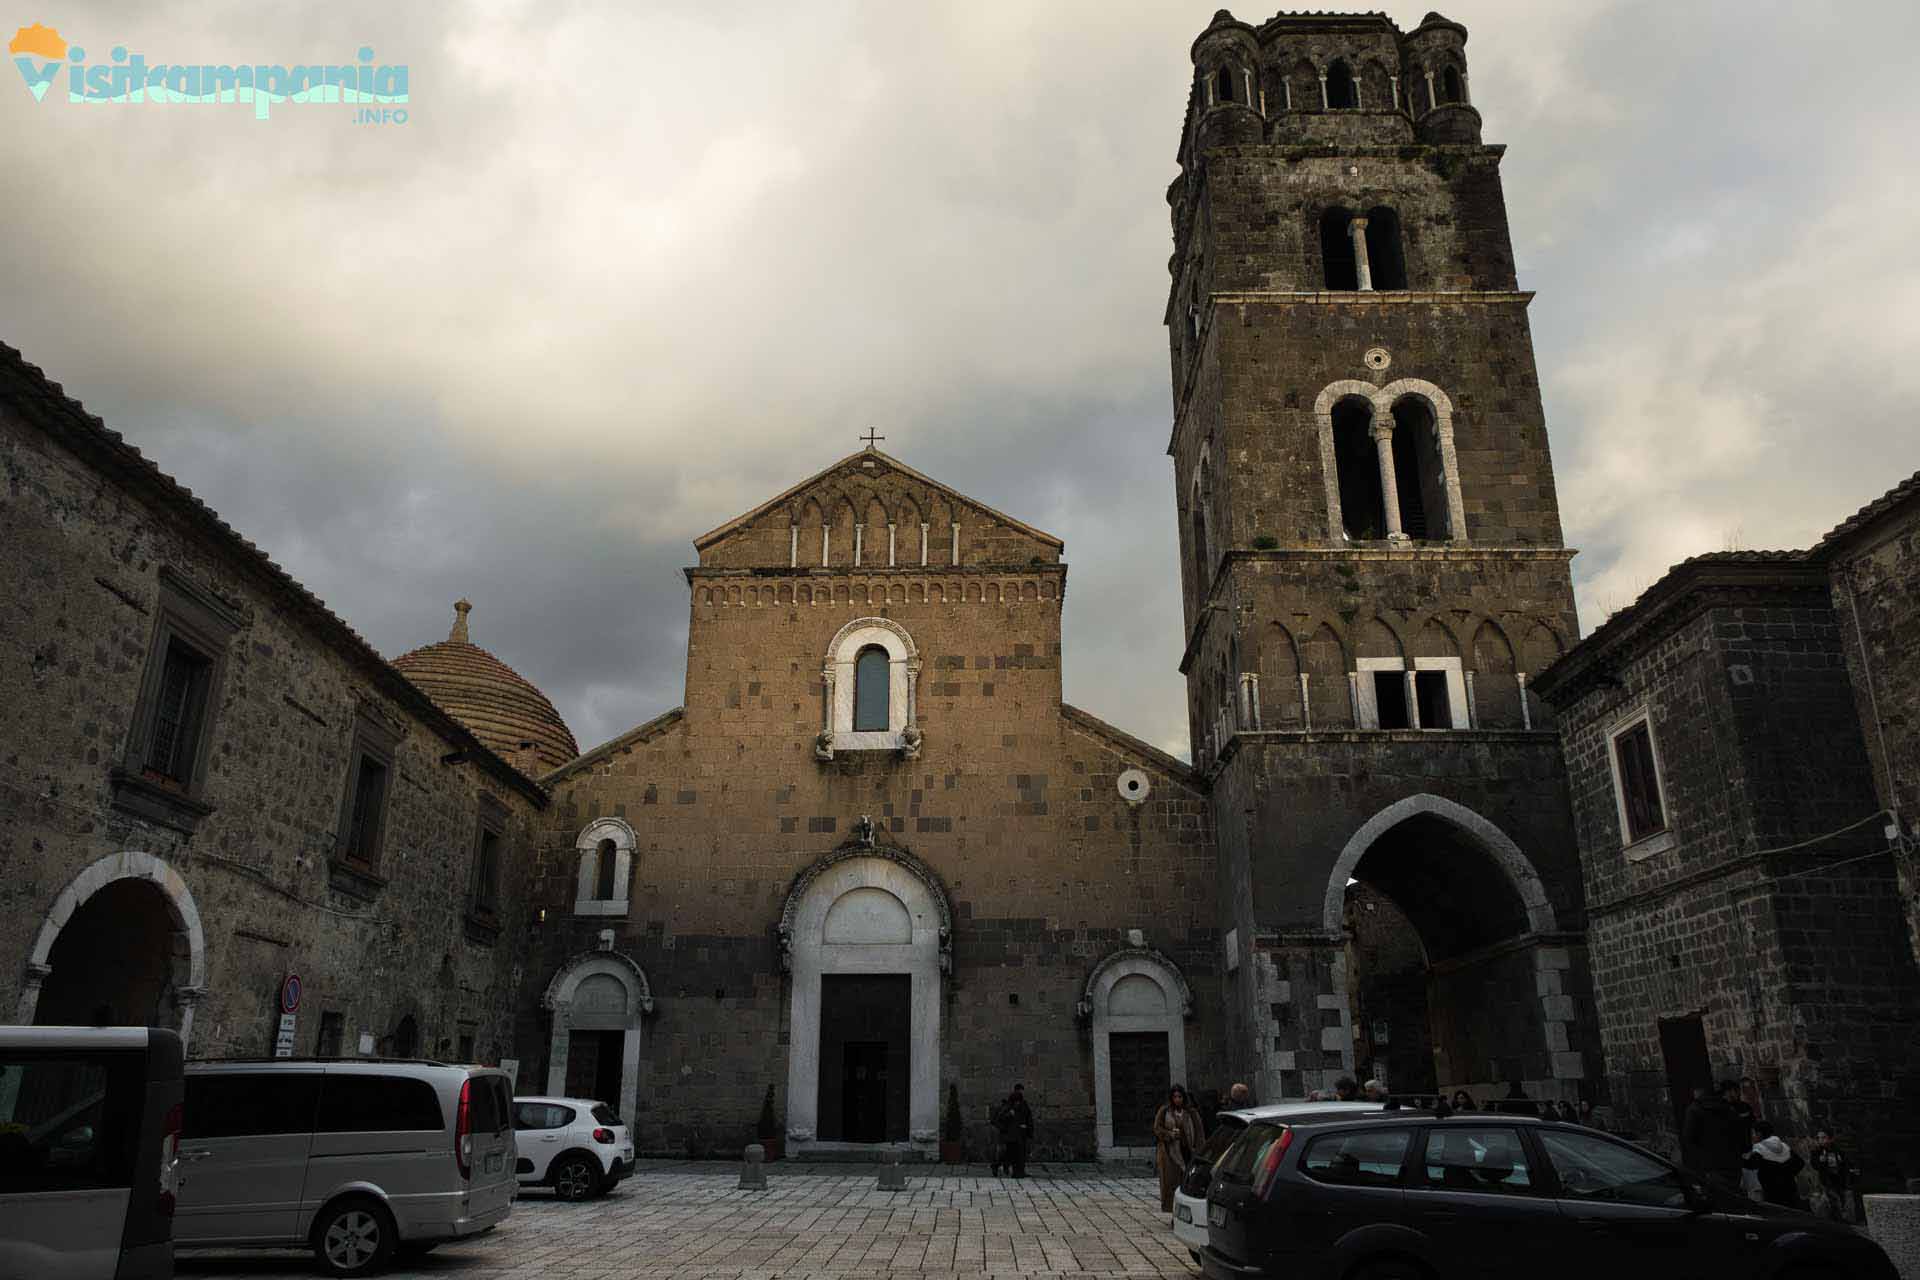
(289, 1004)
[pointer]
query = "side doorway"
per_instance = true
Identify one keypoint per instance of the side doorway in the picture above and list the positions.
(1683, 1048)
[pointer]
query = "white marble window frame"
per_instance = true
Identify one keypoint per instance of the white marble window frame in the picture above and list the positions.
(587, 847)
(903, 671)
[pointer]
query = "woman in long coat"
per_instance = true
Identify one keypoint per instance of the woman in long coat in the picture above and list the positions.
(1176, 1136)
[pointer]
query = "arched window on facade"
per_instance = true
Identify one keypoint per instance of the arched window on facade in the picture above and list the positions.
(1341, 267)
(1223, 85)
(1386, 258)
(870, 692)
(1341, 91)
(1451, 89)
(1362, 506)
(1418, 472)
(606, 862)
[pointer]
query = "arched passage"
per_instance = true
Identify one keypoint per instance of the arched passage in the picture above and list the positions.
(1495, 1009)
(598, 999)
(121, 945)
(1138, 1003)
(865, 935)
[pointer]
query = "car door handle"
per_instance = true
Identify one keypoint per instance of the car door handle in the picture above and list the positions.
(192, 1153)
(551, 1137)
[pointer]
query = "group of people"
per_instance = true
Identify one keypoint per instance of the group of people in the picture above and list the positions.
(1724, 1136)
(1179, 1131)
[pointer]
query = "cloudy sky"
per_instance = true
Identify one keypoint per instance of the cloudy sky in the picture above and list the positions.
(630, 268)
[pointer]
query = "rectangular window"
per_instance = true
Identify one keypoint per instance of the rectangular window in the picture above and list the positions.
(1390, 700)
(1368, 1158)
(486, 870)
(1488, 1160)
(69, 1120)
(1434, 699)
(178, 713)
(369, 807)
(243, 1104)
(1637, 782)
(332, 1030)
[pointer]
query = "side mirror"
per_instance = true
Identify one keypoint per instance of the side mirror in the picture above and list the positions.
(1698, 1198)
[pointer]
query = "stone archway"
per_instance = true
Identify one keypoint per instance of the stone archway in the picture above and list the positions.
(121, 881)
(864, 913)
(1137, 1000)
(598, 996)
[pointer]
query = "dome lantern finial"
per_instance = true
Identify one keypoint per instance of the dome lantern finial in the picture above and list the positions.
(461, 608)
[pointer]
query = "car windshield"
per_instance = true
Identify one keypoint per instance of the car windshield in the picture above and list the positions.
(1224, 1133)
(1246, 1151)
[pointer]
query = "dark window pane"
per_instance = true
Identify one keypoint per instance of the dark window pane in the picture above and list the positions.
(1390, 699)
(369, 796)
(1220, 1139)
(1639, 783)
(1436, 708)
(178, 712)
(68, 1122)
(870, 691)
(1593, 1168)
(604, 1114)
(486, 871)
(1485, 1160)
(489, 1107)
(1365, 1158)
(242, 1105)
(1238, 1164)
(327, 1045)
(603, 871)
(377, 1104)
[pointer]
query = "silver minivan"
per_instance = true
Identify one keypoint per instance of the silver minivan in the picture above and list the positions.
(356, 1159)
(88, 1121)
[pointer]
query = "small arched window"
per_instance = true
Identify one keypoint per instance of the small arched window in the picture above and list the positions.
(870, 690)
(1223, 85)
(1363, 508)
(1386, 260)
(607, 860)
(1451, 90)
(1341, 92)
(1336, 250)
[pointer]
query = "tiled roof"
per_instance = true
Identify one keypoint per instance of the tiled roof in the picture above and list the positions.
(45, 404)
(1907, 490)
(502, 707)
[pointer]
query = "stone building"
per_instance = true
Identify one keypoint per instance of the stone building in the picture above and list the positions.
(1742, 841)
(211, 782)
(874, 856)
(1372, 558)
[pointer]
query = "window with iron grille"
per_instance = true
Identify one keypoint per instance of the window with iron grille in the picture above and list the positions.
(178, 713)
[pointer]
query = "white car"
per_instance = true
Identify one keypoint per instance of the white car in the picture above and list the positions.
(577, 1146)
(1190, 1197)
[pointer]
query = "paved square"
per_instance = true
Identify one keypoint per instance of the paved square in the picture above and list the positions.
(688, 1221)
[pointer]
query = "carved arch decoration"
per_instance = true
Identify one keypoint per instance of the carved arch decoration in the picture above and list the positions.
(862, 846)
(584, 964)
(1130, 959)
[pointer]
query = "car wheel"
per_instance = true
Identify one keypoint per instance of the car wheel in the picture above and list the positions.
(576, 1177)
(353, 1237)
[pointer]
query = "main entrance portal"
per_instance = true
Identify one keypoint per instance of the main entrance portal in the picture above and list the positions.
(865, 1062)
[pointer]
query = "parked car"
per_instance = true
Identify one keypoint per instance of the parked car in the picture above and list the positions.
(1190, 1197)
(353, 1159)
(89, 1119)
(578, 1147)
(1401, 1194)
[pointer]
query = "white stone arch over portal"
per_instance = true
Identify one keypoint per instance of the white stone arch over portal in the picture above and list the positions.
(588, 848)
(812, 958)
(560, 997)
(131, 864)
(1525, 880)
(1129, 968)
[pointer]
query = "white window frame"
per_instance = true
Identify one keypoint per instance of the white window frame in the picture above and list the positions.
(1657, 842)
(903, 675)
(1367, 709)
(587, 846)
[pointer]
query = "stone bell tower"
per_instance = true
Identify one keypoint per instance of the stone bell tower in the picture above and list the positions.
(1372, 563)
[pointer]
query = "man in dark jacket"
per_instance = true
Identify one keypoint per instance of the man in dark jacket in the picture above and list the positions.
(1714, 1138)
(1013, 1120)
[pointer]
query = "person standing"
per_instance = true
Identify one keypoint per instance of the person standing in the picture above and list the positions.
(1836, 1176)
(1176, 1136)
(1346, 1089)
(1778, 1166)
(1462, 1100)
(1015, 1124)
(1239, 1097)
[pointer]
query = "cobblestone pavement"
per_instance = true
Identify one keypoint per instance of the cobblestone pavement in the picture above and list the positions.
(688, 1221)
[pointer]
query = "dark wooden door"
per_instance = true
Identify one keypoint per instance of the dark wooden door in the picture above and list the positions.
(863, 1090)
(1137, 1075)
(1683, 1045)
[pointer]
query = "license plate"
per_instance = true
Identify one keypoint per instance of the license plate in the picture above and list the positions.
(1183, 1213)
(496, 1162)
(1217, 1215)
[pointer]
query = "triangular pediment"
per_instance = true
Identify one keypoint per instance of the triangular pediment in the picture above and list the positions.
(872, 490)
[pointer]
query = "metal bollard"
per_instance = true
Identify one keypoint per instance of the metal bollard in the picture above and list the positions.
(892, 1176)
(753, 1169)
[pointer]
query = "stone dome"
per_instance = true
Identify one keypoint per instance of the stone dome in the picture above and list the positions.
(502, 708)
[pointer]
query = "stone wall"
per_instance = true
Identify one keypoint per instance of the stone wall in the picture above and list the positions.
(247, 889)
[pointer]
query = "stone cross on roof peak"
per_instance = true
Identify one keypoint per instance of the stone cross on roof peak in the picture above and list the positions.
(872, 437)
(461, 608)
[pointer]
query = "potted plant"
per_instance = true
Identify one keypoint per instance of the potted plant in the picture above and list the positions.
(768, 1128)
(951, 1128)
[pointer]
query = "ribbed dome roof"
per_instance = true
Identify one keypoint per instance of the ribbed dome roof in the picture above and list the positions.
(496, 702)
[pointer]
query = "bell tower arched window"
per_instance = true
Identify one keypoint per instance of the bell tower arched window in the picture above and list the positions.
(1418, 471)
(1451, 89)
(1386, 259)
(1337, 258)
(1223, 85)
(1342, 92)
(1362, 503)
(870, 692)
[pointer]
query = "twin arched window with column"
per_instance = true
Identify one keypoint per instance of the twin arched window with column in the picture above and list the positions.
(1362, 251)
(1388, 457)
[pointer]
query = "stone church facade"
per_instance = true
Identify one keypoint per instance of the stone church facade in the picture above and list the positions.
(875, 864)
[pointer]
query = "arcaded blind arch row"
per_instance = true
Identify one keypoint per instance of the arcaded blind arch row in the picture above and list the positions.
(1427, 71)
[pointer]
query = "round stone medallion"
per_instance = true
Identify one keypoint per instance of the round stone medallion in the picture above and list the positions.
(1378, 358)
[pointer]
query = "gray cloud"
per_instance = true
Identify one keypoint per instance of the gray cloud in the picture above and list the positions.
(627, 270)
